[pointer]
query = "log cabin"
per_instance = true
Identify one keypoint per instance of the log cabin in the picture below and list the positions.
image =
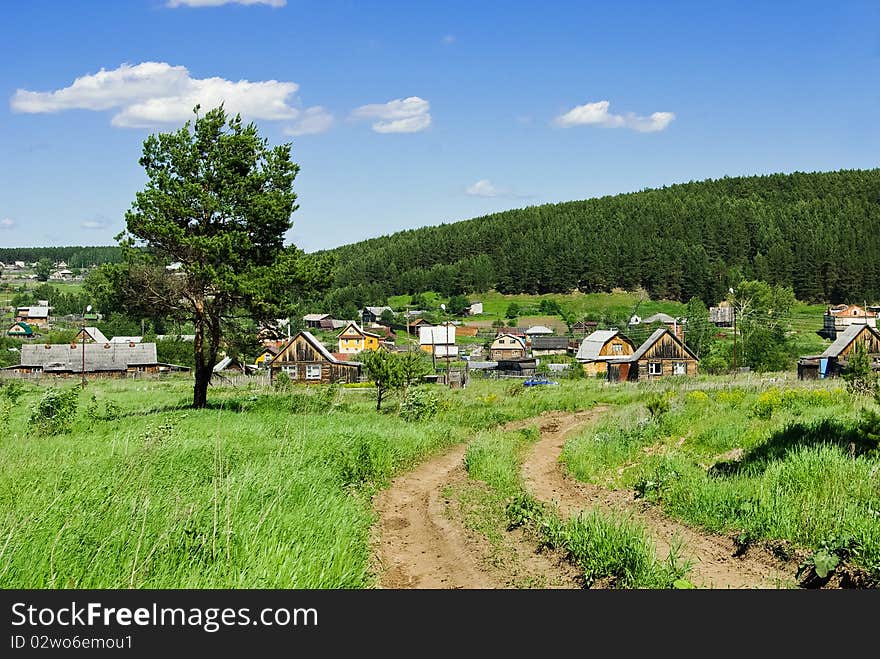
(662, 355)
(306, 360)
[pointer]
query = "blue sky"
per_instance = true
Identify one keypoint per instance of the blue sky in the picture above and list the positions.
(403, 114)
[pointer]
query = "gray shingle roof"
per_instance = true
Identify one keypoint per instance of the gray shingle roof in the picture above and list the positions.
(650, 341)
(844, 339)
(550, 343)
(59, 357)
(96, 335)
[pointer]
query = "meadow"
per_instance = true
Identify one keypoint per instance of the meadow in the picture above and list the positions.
(263, 489)
(795, 467)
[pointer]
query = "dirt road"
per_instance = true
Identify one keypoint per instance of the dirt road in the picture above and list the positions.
(419, 543)
(714, 563)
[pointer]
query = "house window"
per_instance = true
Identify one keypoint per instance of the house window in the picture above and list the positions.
(616, 348)
(290, 370)
(655, 368)
(679, 368)
(313, 372)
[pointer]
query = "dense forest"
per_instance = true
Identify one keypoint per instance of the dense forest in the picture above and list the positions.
(818, 233)
(75, 257)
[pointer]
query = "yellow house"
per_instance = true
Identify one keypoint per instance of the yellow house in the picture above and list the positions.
(266, 356)
(601, 346)
(354, 339)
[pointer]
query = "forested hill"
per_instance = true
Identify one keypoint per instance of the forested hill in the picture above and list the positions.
(75, 257)
(819, 233)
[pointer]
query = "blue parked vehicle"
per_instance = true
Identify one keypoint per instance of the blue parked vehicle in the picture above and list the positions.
(538, 381)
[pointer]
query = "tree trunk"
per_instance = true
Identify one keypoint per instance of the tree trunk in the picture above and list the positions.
(200, 389)
(204, 368)
(379, 393)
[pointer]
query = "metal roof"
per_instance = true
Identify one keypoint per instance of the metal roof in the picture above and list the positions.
(107, 357)
(650, 341)
(96, 335)
(845, 338)
(659, 318)
(127, 339)
(592, 345)
(549, 342)
(539, 329)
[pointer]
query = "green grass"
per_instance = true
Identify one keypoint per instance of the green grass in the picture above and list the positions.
(260, 490)
(764, 464)
(610, 551)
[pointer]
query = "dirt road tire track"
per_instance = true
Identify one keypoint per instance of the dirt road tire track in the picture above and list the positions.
(418, 541)
(714, 563)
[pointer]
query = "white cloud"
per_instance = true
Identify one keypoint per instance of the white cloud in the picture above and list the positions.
(216, 3)
(448, 39)
(96, 224)
(311, 122)
(485, 188)
(407, 115)
(597, 114)
(155, 93)
(7, 223)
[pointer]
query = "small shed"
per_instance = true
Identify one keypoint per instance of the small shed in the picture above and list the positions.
(549, 345)
(306, 360)
(834, 361)
(517, 367)
(662, 355)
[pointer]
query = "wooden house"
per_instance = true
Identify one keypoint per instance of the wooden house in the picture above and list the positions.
(373, 314)
(91, 335)
(549, 345)
(20, 330)
(662, 355)
(834, 361)
(600, 347)
(315, 320)
(305, 360)
(507, 347)
(353, 339)
(838, 318)
(415, 324)
(37, 316)
(233, 366)
(584, 327)
(266, 356)
(107, 359)
(518, 367)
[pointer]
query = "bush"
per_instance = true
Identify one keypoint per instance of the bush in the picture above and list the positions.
(418, 404)
(767, 402)
(282, 381)
(55, 412)
(657, 406)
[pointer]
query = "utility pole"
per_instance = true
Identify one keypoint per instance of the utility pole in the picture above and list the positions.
(88, 309)
(448, 372)
(733, 305)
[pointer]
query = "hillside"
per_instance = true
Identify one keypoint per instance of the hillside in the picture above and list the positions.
(816, 232)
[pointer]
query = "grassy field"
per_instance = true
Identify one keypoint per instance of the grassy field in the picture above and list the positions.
(787, 465)
(263, 489)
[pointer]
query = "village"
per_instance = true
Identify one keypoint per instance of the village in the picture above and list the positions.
(324, 349)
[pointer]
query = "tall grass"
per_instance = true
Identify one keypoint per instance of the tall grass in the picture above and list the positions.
(762, 464)
(261, 490)
(611, 551)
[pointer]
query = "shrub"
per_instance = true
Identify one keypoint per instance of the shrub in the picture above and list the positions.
(12, 390)
(56, 410)
(767, 402)
(418, 404)
(657, 406)
(282, 382)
